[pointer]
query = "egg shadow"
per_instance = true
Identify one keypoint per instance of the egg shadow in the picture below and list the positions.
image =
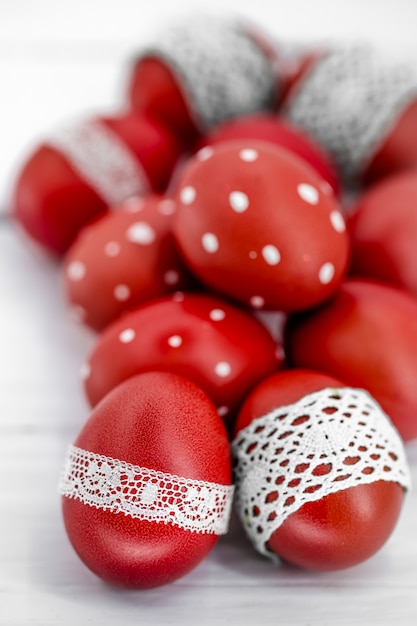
(56, 570)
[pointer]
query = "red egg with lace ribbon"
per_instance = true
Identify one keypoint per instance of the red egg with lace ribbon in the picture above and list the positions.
(358, 101)
(199, 71)
(84, 168)
(320, 473)
(146, 488)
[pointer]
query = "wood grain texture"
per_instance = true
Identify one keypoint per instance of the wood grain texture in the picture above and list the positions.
(43, 582)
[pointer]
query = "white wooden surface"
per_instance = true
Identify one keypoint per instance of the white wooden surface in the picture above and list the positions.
(57, 59)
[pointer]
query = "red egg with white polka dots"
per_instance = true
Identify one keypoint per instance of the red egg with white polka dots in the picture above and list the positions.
(280, 132)
(257, 223)
(223, 349)
(122, 260)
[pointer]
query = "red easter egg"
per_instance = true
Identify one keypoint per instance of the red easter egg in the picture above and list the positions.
(81, 170)
(200, 71)
(283, 387)
(366, 335)
(225, 350)
(155, 90)
(125, 258)
(398, 151)
(280, 132)
(301, 437)
(383, 229)
(358, 101)
(146, 487)
(258, 224)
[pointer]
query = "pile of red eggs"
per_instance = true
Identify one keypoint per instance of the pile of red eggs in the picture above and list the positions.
(243, 241)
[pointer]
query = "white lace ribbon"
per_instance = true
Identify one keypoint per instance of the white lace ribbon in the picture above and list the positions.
(350, 101)
(330, 440)
(102, 160)
(221, 69)
(145, 494)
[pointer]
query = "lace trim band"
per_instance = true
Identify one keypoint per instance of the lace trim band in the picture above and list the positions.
(350, 101)
(221, 69)
(327, 441)
(102, 160)
(145, 494)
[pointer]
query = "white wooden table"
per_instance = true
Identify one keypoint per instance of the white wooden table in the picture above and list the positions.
(42, 581)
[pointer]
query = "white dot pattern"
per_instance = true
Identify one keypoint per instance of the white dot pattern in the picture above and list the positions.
(188, 195)
(112, 248)
(223, 369)
(326, 273)
(249, 155)
(127, 335)
(308, 193)
(76, 271)
(239, 201)
(141, 233)
(271, 254)
(338, 222)
(210, 242)
(205, 153)
(171, 277)
(167, 207)
(217, 315)
(257, 302)
(223, 410)
(121, 293)
(175, 341)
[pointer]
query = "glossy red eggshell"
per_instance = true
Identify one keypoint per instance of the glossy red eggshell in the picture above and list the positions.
(259, 225)
(343, 528)
(52, 201)
(162, 422)
(367, 336)
(383, 229)
(280, 132)
(284, 387)
(223, 349)
(124, 259)
(154, 90)
(398, 152)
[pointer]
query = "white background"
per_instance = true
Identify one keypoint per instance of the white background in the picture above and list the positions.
(59, 60)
